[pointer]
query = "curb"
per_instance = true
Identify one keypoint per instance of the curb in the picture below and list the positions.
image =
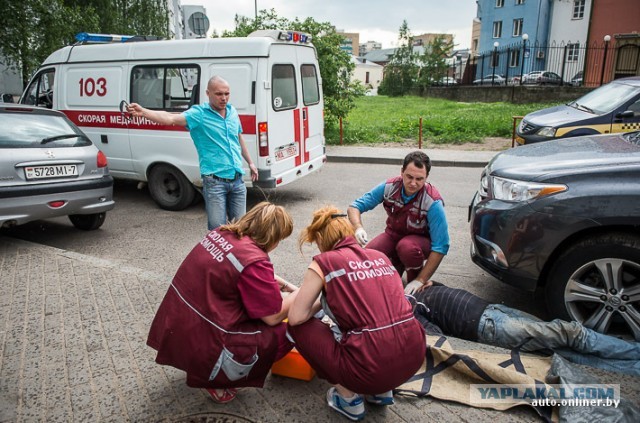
(398, 161)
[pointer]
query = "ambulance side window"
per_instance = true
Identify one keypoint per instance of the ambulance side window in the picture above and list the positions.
(40, 92)
(283, 87)
(162, 87)
(310, 88)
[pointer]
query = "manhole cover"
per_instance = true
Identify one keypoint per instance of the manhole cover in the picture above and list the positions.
(213, 418)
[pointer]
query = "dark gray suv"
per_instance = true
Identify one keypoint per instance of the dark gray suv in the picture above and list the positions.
(564, 216)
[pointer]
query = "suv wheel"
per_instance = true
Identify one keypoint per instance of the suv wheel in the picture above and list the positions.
(597, 283)
(170, 189)
(87, 222)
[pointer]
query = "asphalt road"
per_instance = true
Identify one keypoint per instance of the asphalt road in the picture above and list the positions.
(137, 233)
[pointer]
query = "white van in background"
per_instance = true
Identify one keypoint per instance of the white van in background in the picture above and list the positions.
(275, 86)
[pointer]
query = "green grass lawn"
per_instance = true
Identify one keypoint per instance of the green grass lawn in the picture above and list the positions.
(379, 119)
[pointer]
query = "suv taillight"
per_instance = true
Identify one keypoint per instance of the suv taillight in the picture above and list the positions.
(101, 160)
(263, 139)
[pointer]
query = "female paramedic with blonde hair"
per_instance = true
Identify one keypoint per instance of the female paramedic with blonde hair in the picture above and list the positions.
(376, 344)
(221, 319)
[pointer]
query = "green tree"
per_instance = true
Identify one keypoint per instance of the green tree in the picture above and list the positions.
(335, 64)
(128, 17)
(401, 72)
(33, 29)
(433, 65)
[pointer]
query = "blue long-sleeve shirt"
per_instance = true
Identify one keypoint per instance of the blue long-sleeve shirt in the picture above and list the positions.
(437, 219)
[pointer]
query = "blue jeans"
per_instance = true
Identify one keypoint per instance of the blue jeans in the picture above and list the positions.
(507, 327)
(224, 201)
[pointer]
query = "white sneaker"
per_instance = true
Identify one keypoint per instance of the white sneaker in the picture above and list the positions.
(386, 398)
(353, 409)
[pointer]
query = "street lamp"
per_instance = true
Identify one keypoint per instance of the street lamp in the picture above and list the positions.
(493, 62)
(256, 9)
(607, 38)
(525, 37)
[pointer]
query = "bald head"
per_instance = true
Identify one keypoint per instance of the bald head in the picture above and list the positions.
(218, 92)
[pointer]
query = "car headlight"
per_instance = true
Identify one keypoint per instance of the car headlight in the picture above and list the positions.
(547, 131)
(516, 191)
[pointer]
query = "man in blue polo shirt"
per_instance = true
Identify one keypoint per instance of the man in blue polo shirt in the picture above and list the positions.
(217, 134)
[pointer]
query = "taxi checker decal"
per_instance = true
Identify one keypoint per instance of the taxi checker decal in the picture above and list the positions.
(629, 126)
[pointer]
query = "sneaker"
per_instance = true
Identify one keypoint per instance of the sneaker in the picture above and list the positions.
(385, 398)
(353, 409)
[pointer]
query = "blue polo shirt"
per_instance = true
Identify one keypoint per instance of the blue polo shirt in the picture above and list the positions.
(216, 140)
(437, 219)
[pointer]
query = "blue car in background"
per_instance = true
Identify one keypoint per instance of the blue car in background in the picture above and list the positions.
(614, 107)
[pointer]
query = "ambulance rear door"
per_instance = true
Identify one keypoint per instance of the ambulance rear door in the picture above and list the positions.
(285, 113)
(312, 104)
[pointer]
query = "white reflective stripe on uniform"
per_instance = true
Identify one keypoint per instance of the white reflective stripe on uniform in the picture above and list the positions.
(209, 321)
(239, 267)
(426, 202)
(359, 332)
(334, 274)
(389, 192)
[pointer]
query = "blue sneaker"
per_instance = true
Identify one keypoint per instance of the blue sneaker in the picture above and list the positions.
(353, 409)
(385, 398)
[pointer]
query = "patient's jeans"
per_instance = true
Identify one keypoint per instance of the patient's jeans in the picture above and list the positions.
(508, 328)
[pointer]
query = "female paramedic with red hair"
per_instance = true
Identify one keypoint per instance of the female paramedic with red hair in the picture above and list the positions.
(366, 351)
(221, 320)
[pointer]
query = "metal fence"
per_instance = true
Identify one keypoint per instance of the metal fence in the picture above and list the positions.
(574, 64)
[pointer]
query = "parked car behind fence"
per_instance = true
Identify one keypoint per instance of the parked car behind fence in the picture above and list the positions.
(542, 78)
(491, 80)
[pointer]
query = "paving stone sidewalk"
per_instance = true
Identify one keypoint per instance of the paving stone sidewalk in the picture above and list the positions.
(72, 349)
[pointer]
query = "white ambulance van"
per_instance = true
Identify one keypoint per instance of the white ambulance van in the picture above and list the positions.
(275, 86)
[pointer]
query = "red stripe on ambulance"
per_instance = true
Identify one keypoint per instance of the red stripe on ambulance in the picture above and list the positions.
(296, 134)
(305, 123)
(98, 119)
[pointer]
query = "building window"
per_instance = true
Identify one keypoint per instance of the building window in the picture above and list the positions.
(497, 29)
(366, 78)
(573, 51)
(495, 62)
(514, 58)
(578, 9)
(517, 27)
(499, 3)
(519, 2)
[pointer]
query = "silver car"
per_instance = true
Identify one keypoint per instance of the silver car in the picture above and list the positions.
(49, 168)
(542, 78)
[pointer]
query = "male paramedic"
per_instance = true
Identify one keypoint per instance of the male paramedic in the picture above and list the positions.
(217, 134)
(416, 228)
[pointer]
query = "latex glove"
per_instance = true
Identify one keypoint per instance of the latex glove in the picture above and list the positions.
(361, 237)
(412, 287)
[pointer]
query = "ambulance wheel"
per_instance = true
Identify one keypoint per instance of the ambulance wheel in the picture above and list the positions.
(170, 189)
